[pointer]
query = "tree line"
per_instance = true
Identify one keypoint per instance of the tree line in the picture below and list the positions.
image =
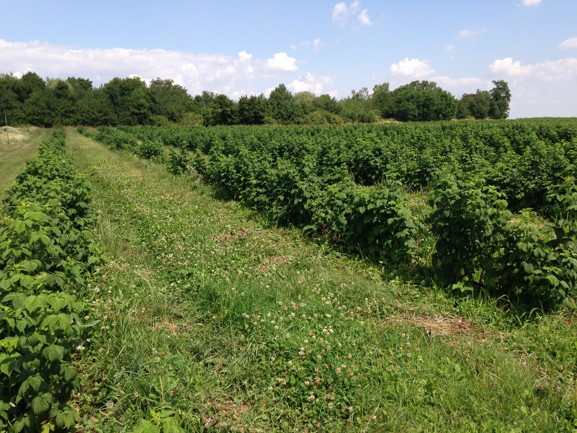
(131, 101)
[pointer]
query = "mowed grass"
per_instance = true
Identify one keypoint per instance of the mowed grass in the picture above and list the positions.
(208, 319)
(17, 147)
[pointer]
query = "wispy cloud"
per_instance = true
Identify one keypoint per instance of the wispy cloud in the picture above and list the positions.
(343, 12)
(531, 2)
(364, 18)
(570, 43)
(466, 34)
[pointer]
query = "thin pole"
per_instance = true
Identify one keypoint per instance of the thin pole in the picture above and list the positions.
(6, 128)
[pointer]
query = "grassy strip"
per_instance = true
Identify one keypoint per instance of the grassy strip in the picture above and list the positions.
(211, 322)
(14, 153)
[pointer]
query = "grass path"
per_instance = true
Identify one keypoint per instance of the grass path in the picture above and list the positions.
(210, 320)
(21, 145)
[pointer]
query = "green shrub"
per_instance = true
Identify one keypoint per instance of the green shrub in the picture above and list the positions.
(481, 244)
(45, 253)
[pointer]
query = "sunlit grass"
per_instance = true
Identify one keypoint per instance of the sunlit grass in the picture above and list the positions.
(16, 147)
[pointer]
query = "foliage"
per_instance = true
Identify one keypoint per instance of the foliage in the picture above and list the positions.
(480, 244)
(46, 251)
(131, 101)
(373, 221)
(500, 100)
(422, 101)
(251, 110)
(476, 105)
(281, 105)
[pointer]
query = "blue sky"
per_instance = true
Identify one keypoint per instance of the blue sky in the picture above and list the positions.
(249, 47)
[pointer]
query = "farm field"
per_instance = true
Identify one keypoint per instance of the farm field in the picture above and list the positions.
(209, 315)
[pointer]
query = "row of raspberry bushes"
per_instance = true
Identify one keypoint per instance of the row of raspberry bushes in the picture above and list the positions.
(522, 158)
(373, 221)
(305, 185)
(482, 245)
(46, 252)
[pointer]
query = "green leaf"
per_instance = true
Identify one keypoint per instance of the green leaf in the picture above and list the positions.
(8, 364)
(45, 239)
(53, 353)
(528, 268)
(58, 303)
(42, 403)
(145, 426)
(66, 419)
(553, 280)
(19, 226)
(33, 302)
(30, 265)
(37, 216)
(33, 382)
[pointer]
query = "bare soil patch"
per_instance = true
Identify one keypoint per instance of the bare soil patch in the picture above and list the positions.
(443, 326)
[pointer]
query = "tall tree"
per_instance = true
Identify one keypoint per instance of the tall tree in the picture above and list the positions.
(382, 100)
(477, 105)
(169, 100)
(327, 103)
(10, 103)
(128, 100)
(30, 83)
(221, 111)
(281, 105)
(423, 101)
(500, 100)
(251, 110)
(358, 107)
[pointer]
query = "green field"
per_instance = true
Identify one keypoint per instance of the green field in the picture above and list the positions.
(210, 316)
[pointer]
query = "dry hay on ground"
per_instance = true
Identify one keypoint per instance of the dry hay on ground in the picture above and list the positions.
(14, 135)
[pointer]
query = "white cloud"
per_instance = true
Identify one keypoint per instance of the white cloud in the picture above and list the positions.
(551, 70)
(458, 86)
(196, 72)
(468, 33)
(342, 12)
(318, 44)
(244, 56)
(310, 83)
(540, 89)
(463, 34)
(508, 67)
(412, 68)
(364, 18)
(282, 62)
(531, 2)
(570, 43)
